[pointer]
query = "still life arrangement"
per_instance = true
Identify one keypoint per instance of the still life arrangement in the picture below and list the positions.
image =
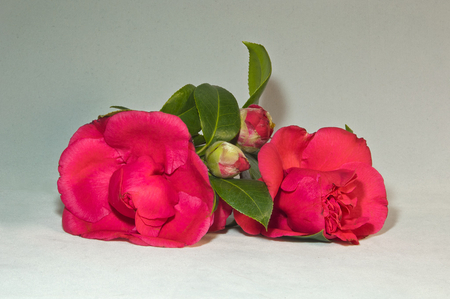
(166, 178)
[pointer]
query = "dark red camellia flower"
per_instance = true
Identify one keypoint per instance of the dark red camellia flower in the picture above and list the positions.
(321, 182)
(135, 175)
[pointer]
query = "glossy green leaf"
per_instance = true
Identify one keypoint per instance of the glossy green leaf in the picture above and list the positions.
(198, 140)
(259, 71)
(182, 104)
(347, 128)
(249, 197)
(191, 119)
(180, 101)
(318, 237)
(254, 168)
(219, 114)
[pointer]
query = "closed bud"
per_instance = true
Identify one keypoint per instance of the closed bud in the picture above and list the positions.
(225, 160)
(256, 128)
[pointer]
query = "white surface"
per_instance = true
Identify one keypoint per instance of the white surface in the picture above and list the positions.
(382, 67)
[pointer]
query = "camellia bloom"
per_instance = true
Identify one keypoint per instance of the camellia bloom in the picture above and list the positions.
(256, 128)
(135, 175)
(226, 160)
(321, 182)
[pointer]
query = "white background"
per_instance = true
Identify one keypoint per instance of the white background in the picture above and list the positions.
(382, 67)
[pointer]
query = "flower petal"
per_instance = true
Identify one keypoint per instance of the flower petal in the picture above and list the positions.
(162, 136)
(290, 143)
(302, 206)
(92, 130)
(191, 222)
(221, 215)
(106, 228)
(85, 168)
(371, 201)
(332, 147)
(270, 166)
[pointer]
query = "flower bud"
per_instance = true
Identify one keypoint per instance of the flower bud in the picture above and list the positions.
(256, 128)
(225, 160)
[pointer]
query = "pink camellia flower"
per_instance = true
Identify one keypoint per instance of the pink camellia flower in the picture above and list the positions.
(225, 160)
(135, 175)
(256, 128)
(321, 182)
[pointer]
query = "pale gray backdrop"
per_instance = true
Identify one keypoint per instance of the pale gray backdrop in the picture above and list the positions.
(382, 67)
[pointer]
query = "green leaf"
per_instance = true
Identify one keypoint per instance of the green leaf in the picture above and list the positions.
(219, 114)
(180, 101)
(182, 104)
(248, 197)
(120, 108)
(318, 237)
(191, 119)
(254, 168)
(198, 140)
(347, 128)
(259, 71)
(216, 203)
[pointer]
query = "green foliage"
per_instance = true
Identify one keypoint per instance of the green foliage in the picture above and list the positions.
(219, 114)
(259, 71)
(249, 197)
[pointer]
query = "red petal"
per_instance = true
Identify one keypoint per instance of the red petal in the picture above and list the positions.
(221, 215)
(191, 221)
(303, 206)
(162, 136)
(290, 143)
(85, 168)
(93, 130)
(104, 229)
(249, 225)
(371, 200)
(332, 147)
(270, 166)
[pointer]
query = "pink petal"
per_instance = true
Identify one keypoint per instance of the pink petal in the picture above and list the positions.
(303, 206)
(290, 143)
(85, 168)
(332, 147)
(250, 226)
(104, 229)
(371, 200)
(112, 227)
(221, 215)
(92, 130)
(162, 136)
(270, 166)
(192, 178)
(191, 222)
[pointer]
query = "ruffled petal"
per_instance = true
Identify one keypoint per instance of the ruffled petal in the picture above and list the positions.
(371, 201)
(113, 227)
(290, 143)
(191, 222)
(162, 136)
(106, 228)
(85, 169)
(192, 178)
(332, 147)
(303, 205)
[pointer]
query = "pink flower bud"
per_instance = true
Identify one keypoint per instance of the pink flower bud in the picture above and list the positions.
(256, 128)
(225, 160)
